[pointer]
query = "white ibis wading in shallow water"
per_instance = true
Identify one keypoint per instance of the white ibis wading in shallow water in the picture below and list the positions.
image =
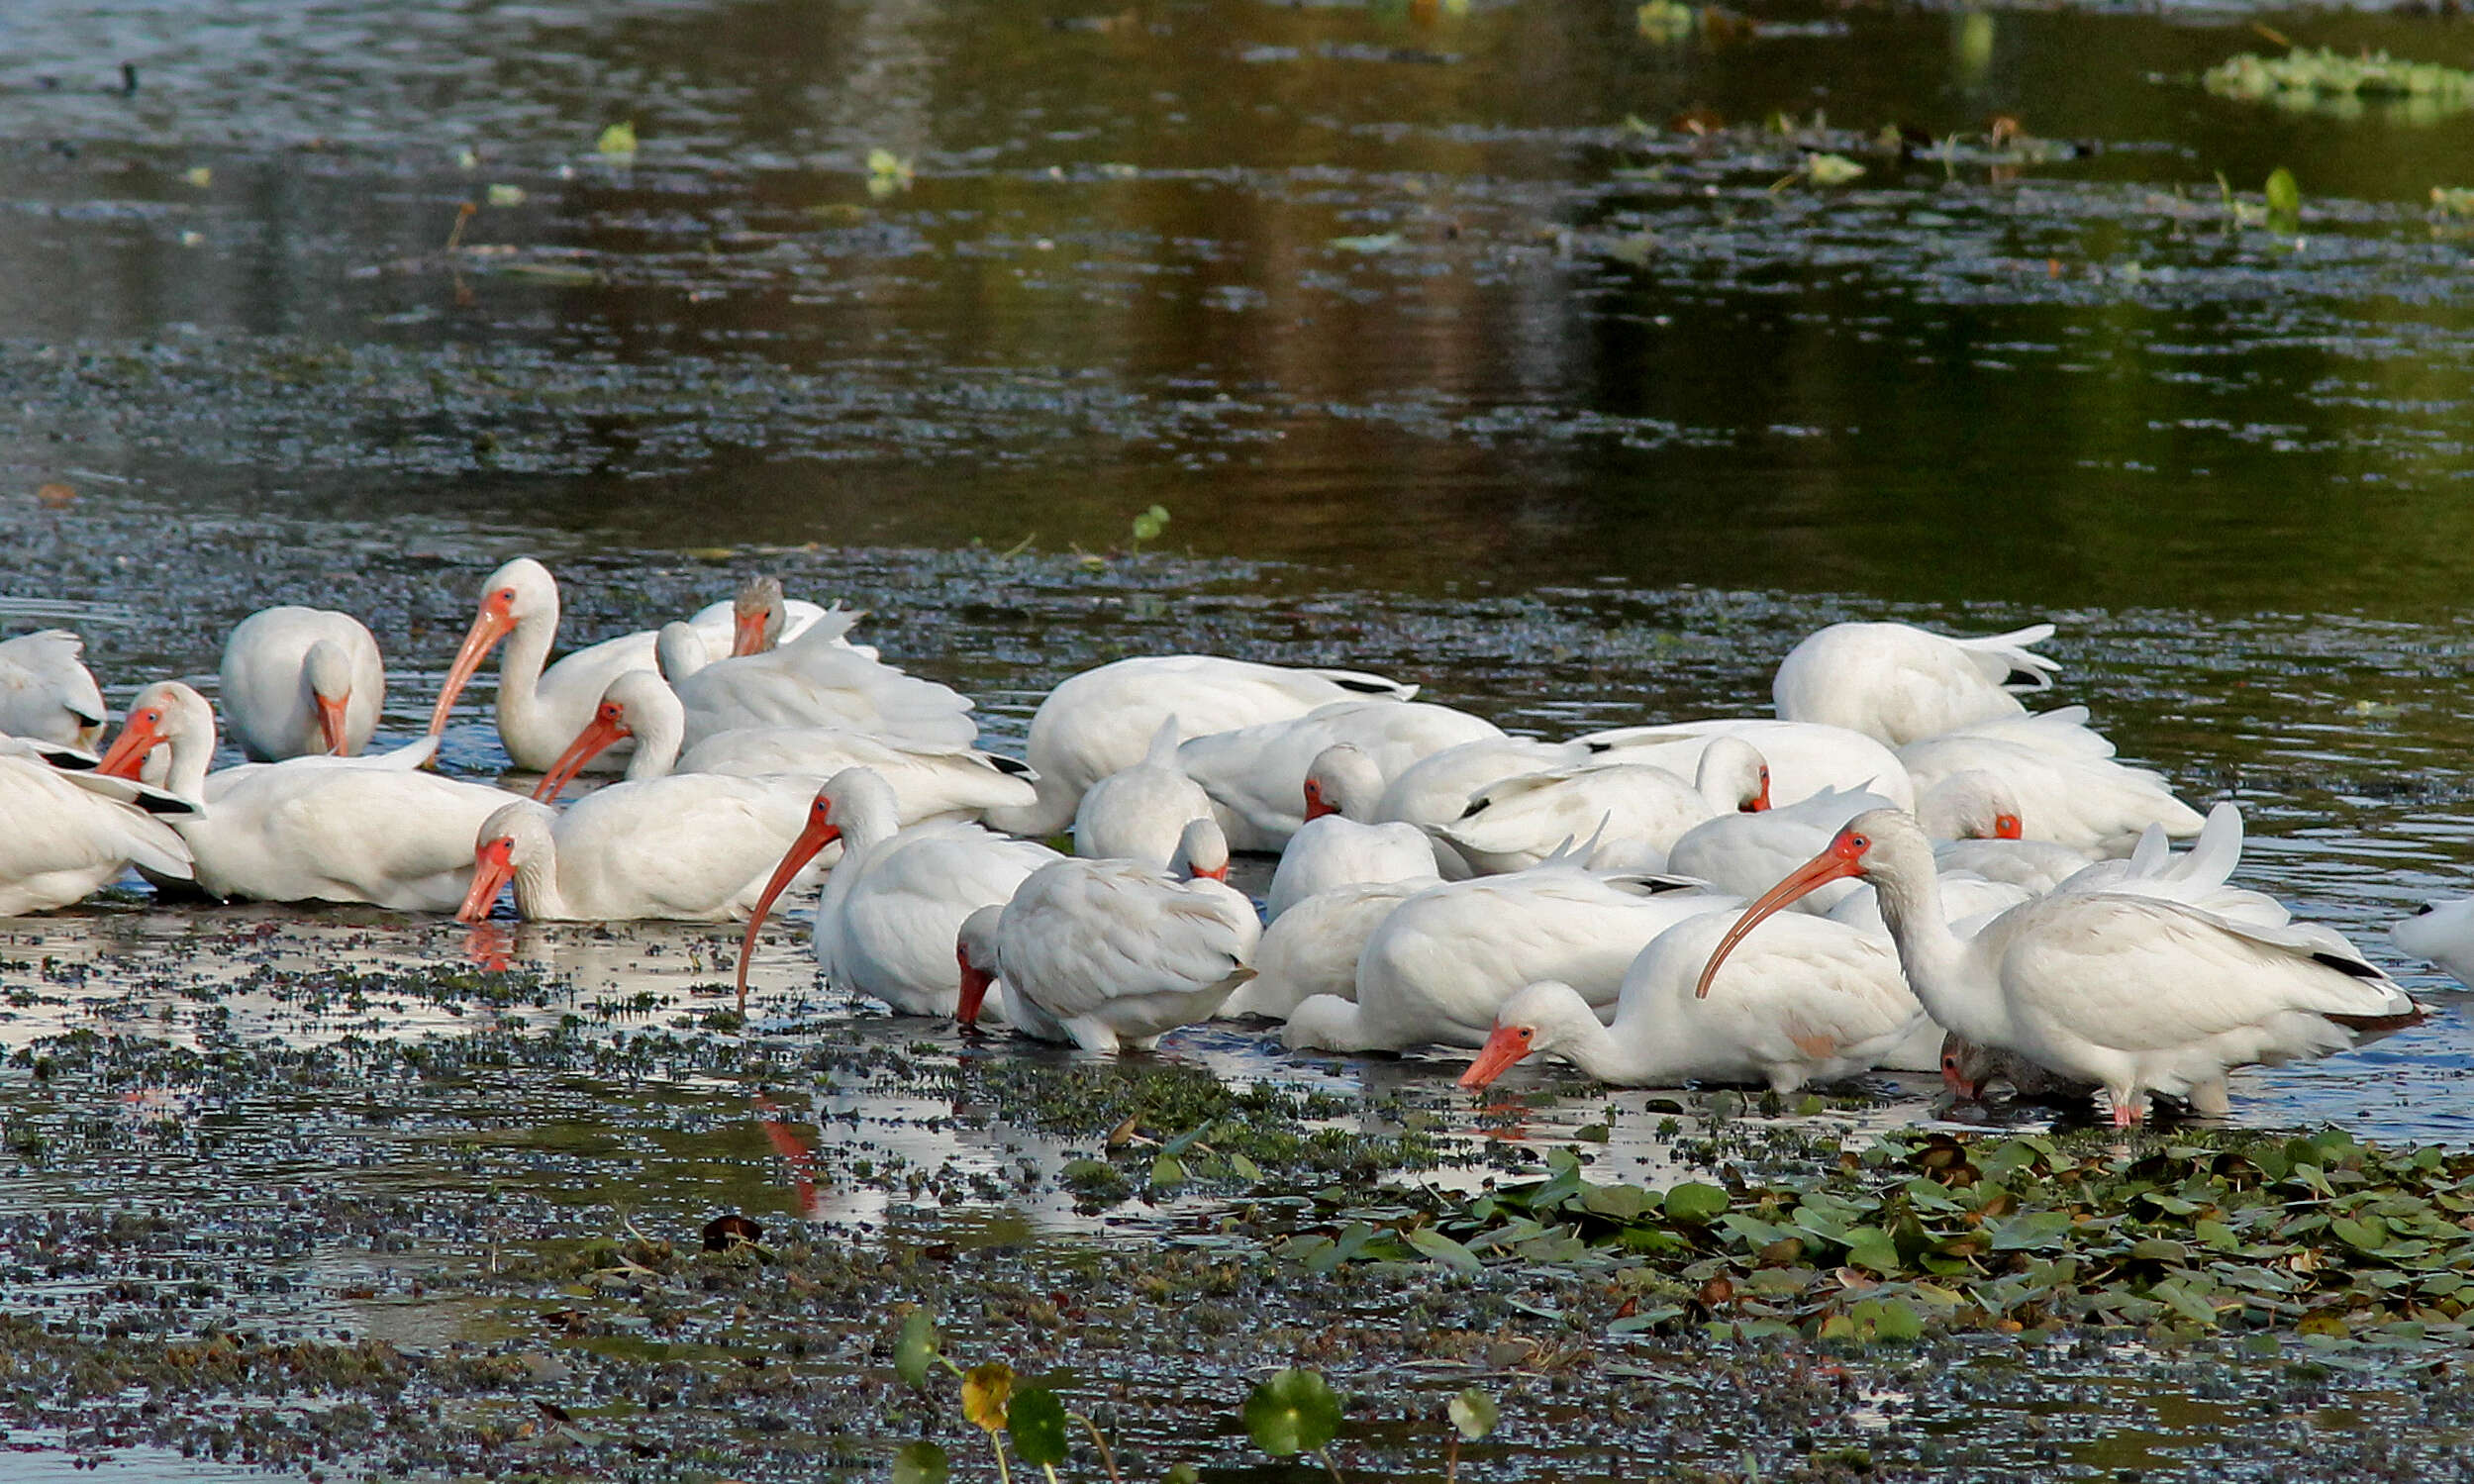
(2133, 993)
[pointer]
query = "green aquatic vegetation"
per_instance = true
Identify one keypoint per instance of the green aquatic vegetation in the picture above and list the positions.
(2319, 1237)
(618, 141)
(887, 172)
(2455, 201)
(2326, 80)
(1295, 1412)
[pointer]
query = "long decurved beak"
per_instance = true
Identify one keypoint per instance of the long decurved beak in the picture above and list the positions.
(331, 724)
(748, 632)
(975, 982)
(589, 744)
(493, 866)
(139, 735)
(820, 832)
(1760, 800)
(1819, 871)
(492, 624)
(1506, 1047)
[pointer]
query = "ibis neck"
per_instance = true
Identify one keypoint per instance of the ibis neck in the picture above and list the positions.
(659, 734)
(520, 711)
(1935, 960)
(192, 743)
(538, 897)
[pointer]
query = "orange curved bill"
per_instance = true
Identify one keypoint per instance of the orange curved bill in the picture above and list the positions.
(493, 866)
(330, 725)
(1821, 870)
(589, 744)
(127, 753)
(1501, 1050)
(748, 632)
(1760, 800)
(489, 625)
(820, 832)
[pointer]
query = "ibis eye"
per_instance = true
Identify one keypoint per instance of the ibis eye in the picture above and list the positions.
(1859, 842)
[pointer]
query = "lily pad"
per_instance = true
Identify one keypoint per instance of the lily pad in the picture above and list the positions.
(1295, 1412)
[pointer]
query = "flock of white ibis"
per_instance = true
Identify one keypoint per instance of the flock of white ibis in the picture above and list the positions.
(1903, 868)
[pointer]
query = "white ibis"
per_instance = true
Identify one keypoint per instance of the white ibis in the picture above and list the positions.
(1902, 684)
(1803, 999)
(1805, 758)
(1441, 963)
(887, 923)
(297, 682)
(1744, 852)
(71, 832)
(814, 680)
(1111, 954)
(1633, 812)
(689, 847)
(1141, 813)
(1976, 825)
(46, 692)
(930, 780)
(1101, 720)
(1338, 845)
(1256, 774)
(315, 829)
(2066, 791)
(1435, 790)
(2135, 993)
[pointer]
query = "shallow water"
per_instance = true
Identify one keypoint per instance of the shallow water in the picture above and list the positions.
(1446, 354)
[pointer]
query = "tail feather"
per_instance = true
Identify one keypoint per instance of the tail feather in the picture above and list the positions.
(2006, 660)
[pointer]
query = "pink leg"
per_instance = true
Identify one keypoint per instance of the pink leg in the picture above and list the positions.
(2128, 1109)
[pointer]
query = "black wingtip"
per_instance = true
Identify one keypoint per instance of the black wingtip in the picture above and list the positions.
(2345, 965)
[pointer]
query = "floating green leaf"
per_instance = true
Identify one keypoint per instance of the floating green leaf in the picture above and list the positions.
(618, 141)
(1474, 1413)
(1295, 1412)
(916, 1350)
(1167, 1172)
(506, 195)
(1150, 523)
(2454, 200)
(1037, 1423)
(1380, 242)
(2284, 195)
(1694, 1201)
(919, 1463)
(1445, 1250)
(1665, 22)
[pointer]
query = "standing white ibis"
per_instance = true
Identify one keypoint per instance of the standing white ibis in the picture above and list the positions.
(68, 833)
(1141, 813)
(318, 828)
(1339, 845)
(1633, 814)
(891, 911)
(1112, 954)
(2135, 993)
(1256, 776)
(1312, 948)
(815, 680)
(1440, 966)
(930, 780)
(1101, 720)
(541, 709)
(1805, 758)
(1803, 1000)
(1902, 684)
(46, 693)
(301, 681)
(690, 847)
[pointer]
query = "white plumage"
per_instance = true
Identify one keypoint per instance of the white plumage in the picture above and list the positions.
(1110, 954)
(46, 692)
(1805, 758)
(64, 834)
(1621, 817)
(1338, 845)
(297, 682)
(690, 847)
(1139, 813)
(1256, 776)
(1101, 720)
(1902, 684)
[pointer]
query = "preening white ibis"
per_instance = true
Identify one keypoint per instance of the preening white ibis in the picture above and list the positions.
(46, 692)
(297, 682)
(1101, 720)
(1633, 814)
(1902, 684)
(1339, 845)
(68, 833)
(1141, 813)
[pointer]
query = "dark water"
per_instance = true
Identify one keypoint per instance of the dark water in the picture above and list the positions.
(1445, 352)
